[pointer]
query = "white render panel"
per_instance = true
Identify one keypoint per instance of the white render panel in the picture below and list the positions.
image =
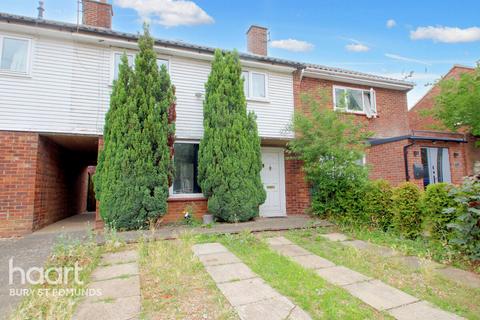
(68, 91)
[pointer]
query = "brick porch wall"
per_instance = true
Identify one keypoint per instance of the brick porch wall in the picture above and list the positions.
(297, 191)
(386, 162)
(177, 206)
(18, 157)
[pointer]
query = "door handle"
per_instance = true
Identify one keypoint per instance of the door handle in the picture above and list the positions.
(270, 187)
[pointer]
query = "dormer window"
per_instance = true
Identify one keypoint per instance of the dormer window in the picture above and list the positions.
(355, 100)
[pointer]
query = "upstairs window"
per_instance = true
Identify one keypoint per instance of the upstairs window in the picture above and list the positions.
(14, 53)
(162, 62)
(117, 59)
(355, 100)
(254, 85)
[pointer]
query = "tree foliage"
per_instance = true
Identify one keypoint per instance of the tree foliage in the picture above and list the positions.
(331, 146)
(229, 153)
(458, 104)
(134, 167)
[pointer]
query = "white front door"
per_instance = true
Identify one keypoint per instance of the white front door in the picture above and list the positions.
(273, 179)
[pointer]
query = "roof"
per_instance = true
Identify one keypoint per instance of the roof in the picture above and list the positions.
(71, 27)
(378, 141)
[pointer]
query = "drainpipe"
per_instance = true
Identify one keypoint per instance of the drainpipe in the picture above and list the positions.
(405, 157)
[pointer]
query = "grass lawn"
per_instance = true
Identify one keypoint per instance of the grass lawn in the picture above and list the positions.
(175, 285)
(424, 283)
(304, 287)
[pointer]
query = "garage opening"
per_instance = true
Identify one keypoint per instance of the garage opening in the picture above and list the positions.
(64, 187)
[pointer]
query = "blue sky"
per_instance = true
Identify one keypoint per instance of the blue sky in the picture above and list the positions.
(419, 39)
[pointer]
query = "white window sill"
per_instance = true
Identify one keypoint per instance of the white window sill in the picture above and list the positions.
(186, 196)
(263, 100)
(14, 74)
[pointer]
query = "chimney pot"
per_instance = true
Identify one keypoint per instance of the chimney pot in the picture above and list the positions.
(257, 40)
(97, 13)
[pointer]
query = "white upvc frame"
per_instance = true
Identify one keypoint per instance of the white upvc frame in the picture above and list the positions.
(282, 184)
(171, 195)
(373, 98)
(27, 72)
(250, 85)
(133, 54)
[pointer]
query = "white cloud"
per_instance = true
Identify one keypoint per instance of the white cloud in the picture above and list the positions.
(391, 23)
(292, 45)
(168, 13)
(412, 76)
(406, 59)
(446, 34)
(357, 47)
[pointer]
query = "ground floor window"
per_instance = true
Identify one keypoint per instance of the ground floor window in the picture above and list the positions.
(186, 169)
(436, 165)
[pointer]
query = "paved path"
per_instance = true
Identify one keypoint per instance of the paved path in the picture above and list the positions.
(27, 252)
(251, 297)
(373, 292)
(458, 275)
(258, 225)
(118, 282)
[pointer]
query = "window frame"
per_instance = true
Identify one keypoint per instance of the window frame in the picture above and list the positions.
(172, 195)
(249, 97)
(133, 54)
(27, 72)
(373, 97)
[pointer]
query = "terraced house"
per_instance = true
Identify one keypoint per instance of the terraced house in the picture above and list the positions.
(55, 83)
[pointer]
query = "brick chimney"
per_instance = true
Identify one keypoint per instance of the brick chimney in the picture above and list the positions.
(97, 13)
(257, 40)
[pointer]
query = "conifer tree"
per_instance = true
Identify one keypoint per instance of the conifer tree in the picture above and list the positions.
(229, 153)
(134, 167)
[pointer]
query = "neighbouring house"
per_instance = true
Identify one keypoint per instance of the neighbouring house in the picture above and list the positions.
(55, 85)
(462, 156)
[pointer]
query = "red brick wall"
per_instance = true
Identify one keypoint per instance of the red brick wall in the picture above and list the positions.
(296, 188)
(391, 106)
(97, 13)
(18, 156)
(386, 162)
(177, 206)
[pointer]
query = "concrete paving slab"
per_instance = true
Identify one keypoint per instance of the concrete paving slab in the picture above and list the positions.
(312, 261)
(115, 271)
(291, 250)
(416, 262)
(379, 295)
(116, 288)
(421, 310)
(276, 241)
(341, 275)
(299, 314)
(215, 259)
(246, 291)
(384, 251)
(277, 308)
(464, 277)
(118, 309)
(358, 244)
(335, 236)
(230, 272)
(208, 248)
(119, 257)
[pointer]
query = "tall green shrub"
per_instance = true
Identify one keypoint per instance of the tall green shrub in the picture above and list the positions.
(377, 204)
(435, 200)
(134, 168)
(407, 210)
(466, 227)
(330, 144)
(229, 154)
